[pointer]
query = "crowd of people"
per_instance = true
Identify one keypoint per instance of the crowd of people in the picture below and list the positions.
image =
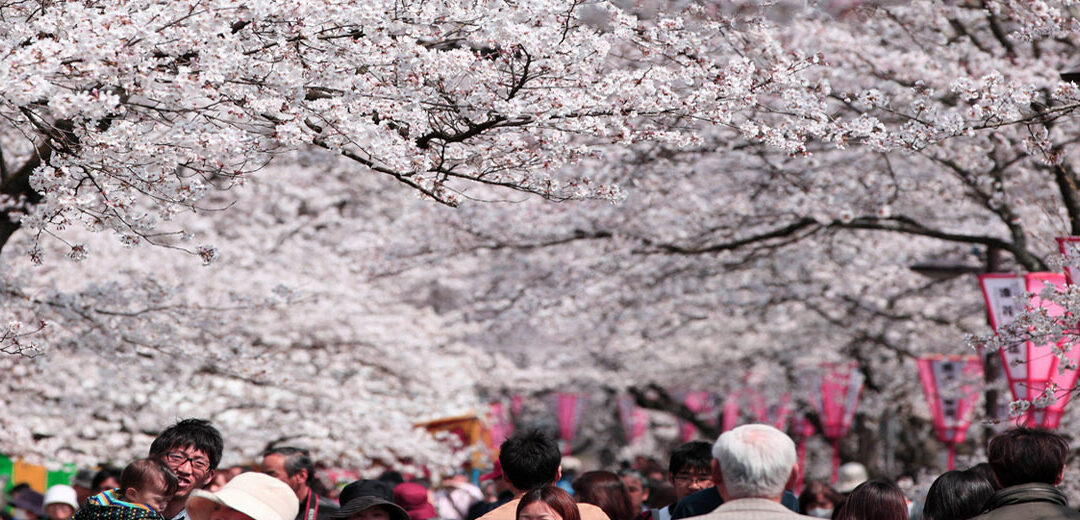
(747, 473)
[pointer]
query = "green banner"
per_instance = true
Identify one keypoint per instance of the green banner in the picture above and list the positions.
(7, 468)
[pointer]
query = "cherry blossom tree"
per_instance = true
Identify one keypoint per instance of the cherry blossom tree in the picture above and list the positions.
(730, 254)
(778, 168)
(117, 116)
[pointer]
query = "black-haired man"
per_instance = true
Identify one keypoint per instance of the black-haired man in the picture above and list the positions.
(530, 460)
(294, 467)
(1028, 463)
(192, 450)
(688, 471)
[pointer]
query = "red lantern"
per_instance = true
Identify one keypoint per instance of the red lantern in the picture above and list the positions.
(841, 384)
(1055, 374)
(951, 385)
(569, 411)
(1035, 373)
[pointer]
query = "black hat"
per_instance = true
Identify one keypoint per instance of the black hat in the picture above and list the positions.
(366, 488)
(359, 503)
(32, 501)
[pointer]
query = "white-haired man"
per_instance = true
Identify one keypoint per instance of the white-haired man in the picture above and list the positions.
(751, 467)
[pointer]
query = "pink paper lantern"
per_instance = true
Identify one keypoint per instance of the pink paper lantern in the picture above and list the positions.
(568, 412)
(1047, 373)
(1031, 370)
(840, 386)
(951, 385)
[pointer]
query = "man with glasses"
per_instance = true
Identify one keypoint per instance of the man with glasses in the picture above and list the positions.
(192, 450)
(688, 471)
(753, 466)
(703, 496)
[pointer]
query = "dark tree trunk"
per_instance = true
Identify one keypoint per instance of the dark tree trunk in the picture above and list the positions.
(18, 186)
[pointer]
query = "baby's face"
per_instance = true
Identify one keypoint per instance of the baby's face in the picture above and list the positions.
(153, 495)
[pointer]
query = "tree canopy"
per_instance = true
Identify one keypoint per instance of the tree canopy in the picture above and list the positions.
(752, 184)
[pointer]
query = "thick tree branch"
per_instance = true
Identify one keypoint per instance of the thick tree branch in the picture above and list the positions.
(1002, 209)
(786, 231)
(999, 33)
(579, 234)
(655, 397)
(911, 227)
(17, 187)
(3, 167)
(474, 129)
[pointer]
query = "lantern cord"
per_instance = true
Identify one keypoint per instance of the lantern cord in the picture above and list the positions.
(952, 456)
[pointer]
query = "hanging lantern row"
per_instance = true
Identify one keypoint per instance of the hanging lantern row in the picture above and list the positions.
(839, 384)
(951, 385)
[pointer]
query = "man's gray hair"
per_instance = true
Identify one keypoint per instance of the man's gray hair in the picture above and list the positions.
(295, 461)
(755, 460)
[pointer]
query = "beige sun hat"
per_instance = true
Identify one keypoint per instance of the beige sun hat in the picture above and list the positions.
(257, 495)
(849, 476)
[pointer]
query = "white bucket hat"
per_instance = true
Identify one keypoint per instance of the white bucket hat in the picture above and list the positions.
(850, 475)
(257, 495)
(61, 494)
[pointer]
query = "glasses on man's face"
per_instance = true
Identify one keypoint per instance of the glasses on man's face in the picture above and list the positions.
(689, 478)
(177, 459)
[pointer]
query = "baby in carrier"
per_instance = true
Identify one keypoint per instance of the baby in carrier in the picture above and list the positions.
(146, 486)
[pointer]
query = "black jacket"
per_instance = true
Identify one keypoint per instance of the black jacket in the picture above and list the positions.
(316, 508)
(704, 501)
(1035, 501)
